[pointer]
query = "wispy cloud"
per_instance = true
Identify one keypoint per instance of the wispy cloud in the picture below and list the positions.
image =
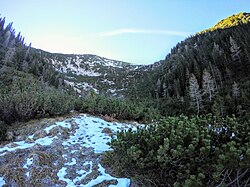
(143, 31)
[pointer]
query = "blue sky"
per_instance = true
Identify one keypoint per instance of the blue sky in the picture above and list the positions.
(137, 31)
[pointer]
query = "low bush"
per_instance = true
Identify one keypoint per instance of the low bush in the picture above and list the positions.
(185, 151)
(26, 98)
(118, 108)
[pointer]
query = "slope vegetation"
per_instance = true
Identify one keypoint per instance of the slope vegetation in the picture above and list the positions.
(231, 21)
(208, 72)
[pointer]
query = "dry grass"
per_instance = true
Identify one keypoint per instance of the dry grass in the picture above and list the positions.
(106, 183)
(48, 160)
(23, 129)
(15, 177)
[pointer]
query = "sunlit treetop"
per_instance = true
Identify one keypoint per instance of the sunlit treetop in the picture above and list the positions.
(231, 21)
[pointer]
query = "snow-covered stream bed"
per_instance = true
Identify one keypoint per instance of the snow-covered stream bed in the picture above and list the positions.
(65, 153)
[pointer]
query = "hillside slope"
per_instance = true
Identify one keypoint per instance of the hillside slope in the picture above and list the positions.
(231, 21)
(207, 72)
(29, 87)
(87, 72)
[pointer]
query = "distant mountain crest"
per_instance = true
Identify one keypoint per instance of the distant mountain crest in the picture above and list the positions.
(231, 21)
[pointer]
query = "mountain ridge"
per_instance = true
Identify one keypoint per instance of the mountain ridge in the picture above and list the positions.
(231, 21)
(86, 72)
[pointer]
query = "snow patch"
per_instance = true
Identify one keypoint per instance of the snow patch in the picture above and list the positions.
(61, 174)
(2, 181)
(107, 82)
(104, 176)
(87, 133)
(83, 173)
(121, 182)
(24, 145)
(62, 124)
(90, 133)
(81, 86)
(73, 65)
(48, 140)
(28, 163)
(73, 162)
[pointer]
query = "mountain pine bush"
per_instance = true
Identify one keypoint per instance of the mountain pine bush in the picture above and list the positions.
(23, 98)
(185, 151)
(125, 109)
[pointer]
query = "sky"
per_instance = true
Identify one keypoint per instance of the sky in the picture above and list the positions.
(136, 31)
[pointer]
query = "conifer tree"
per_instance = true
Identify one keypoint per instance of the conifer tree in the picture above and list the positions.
(158, 88)
(164, 86)
(208, 84)
(27, 52)
(2, 21)
(234, 49)
(195, 93)
(6, 38)
(235, 90)
(9, 55)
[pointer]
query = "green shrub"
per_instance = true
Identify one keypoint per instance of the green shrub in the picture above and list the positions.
(119, 108)
(26, 98)
(54, 103)
(183, 151)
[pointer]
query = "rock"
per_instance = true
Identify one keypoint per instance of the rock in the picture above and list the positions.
(60, 118)
(10, 135)
(107, 118)
(107, 131)
(56, 131)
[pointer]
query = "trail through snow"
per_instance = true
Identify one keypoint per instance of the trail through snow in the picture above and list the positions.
(65, 153)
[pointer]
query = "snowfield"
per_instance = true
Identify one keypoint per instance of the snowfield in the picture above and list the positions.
(73, 64)
(66, 153)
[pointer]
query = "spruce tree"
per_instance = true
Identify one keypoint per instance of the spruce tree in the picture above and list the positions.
(208, 85)
(235, 50)
(195, 93)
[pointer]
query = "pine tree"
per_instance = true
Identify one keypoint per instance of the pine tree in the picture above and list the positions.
(208, 85)
(177, 87)
(9, 55)
(2, 22)
(27, 52)
(158, 88)
(235, 90)
(235, 50)
(195, 93)
(6, 38)
(218, 77)
(164, 87)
